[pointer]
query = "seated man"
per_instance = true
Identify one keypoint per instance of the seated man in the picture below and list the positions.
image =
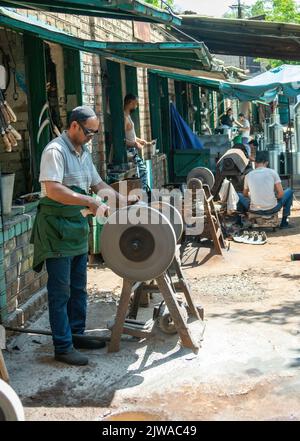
(263, 192)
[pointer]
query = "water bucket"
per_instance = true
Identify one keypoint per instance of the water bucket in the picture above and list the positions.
(7, 188)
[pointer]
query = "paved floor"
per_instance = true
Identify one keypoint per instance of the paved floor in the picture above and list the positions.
(247, 368)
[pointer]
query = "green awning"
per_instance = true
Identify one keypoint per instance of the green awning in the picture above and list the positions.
(118, 9)
(189, 56)
(176, 55)
(209, 83)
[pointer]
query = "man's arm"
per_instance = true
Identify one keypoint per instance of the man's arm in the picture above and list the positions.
(60, 193)
(141, 141)
(237, 123)
(246, 188)
(107, 191)
(279, 190)
(246, 192)
(136, 144)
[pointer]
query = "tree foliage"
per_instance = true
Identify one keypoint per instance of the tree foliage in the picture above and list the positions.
(158, 3)
(284, 11)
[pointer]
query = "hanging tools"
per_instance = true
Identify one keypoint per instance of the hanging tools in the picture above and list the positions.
(9, 134)
(54, 132)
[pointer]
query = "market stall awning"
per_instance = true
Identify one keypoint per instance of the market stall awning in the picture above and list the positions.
(249, 38)
(119, 9)
(209, 83)
(176, 55)
(283, 79)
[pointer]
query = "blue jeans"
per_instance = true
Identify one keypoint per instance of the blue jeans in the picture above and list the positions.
(141, 166)
(286, 202)
(67, 299)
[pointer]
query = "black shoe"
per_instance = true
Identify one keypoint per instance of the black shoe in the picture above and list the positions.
(285, 225)
(73, 357)
(87, 342)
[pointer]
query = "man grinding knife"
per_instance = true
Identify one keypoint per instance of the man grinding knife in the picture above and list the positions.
(60, 232)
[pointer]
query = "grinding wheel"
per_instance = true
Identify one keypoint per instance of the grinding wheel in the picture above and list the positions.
(11, 408)
(195, 184)
(172, 215)
(166, 323)
(138, 243)
(204, 174)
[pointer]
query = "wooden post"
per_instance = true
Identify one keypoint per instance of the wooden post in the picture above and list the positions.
(170, 298)
(117, 329)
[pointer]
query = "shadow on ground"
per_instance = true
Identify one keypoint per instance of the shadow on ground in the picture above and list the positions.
(283, 315)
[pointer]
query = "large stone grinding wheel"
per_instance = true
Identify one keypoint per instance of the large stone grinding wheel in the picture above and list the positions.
(138, 243)
(172, 215)
(11, 408)
(204, 174)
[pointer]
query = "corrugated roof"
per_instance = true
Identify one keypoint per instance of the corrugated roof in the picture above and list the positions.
(251, 38)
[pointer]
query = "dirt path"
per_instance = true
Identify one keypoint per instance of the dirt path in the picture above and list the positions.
(247, 368)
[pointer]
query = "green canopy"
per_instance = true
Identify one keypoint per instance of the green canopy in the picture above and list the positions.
(209, 83)
(284, 79)
(119, 9)
(173, 55)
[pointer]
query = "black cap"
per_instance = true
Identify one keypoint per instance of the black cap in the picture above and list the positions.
(81, 113)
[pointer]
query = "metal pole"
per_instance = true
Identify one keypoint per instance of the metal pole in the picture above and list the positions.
(290, 147)
(42, 332)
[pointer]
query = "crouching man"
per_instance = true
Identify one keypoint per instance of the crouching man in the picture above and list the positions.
(263, 192)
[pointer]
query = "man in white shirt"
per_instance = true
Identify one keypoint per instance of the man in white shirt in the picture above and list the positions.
(244, 128)
(263, 192)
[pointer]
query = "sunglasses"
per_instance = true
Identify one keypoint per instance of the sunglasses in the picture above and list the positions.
(87, 132)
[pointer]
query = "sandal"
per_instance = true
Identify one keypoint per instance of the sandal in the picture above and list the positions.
(257, 238)
(239, 237)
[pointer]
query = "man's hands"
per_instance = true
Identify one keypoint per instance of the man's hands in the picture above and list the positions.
(139, 145)
(97, 208)
(133, 199)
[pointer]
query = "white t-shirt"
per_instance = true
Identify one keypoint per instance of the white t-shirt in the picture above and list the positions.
(261, 184)
(246, 125)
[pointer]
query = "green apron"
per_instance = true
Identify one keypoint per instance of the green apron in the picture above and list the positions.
(59, 231)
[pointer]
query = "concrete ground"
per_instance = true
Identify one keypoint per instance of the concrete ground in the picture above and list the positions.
(246, 369)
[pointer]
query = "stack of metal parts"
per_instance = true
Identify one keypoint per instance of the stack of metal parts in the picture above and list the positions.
(139, 243)
(233, 165)
(281, 160)
(200, 181)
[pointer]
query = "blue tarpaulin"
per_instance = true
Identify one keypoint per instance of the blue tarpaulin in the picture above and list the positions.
(183, 137)
(284, 79)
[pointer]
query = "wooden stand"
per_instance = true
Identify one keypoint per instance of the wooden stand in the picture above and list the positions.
(162, 284)
(213, 229)
(3, 371)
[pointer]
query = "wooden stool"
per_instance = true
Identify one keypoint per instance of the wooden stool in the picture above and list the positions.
(264, 221)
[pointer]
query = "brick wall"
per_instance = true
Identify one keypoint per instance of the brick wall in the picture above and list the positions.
(21, 281)
(16, 161)
(105, 30)
(16, 254)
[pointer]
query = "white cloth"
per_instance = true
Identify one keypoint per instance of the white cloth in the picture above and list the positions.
(228, 194)
(261, 184)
